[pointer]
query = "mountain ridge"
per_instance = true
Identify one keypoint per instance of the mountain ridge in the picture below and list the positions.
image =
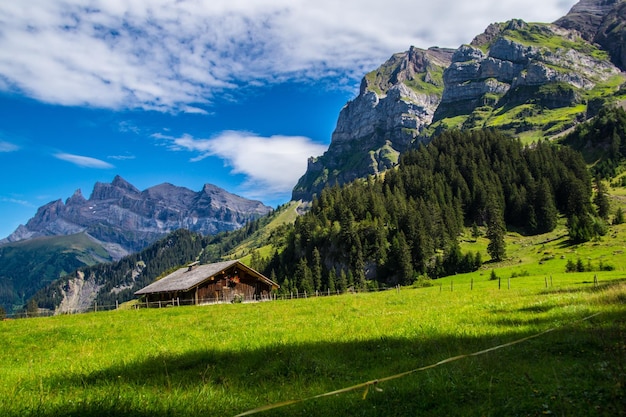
(118, 213)
(532, 80)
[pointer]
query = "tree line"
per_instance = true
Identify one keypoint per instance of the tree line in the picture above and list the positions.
(406, 223)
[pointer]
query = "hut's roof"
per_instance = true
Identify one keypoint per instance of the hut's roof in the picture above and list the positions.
(190, 276)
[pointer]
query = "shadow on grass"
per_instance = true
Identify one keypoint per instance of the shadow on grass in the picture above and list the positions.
(590, 287)
(576, 370)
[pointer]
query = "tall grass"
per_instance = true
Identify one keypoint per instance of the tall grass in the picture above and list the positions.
(225, 359)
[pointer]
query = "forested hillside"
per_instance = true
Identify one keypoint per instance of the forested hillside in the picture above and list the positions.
(27, 266)
(602, 141)
(406, 223)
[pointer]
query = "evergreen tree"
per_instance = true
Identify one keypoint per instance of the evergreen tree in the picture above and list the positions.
(358, 265)
(601, 200)
(285, 287)
(580, 228)
(545, 208)
(316, 269)
(475, 231)
(400, 254)
(496, 231)
(332, 278)
(619, 216)
(32, 309)
(342, 283)
(304, 277)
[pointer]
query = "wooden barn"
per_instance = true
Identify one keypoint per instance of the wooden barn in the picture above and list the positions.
(218, 282)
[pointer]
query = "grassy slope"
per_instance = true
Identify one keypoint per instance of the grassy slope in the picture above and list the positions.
(258, 240)
(540, 122)
(225, 359)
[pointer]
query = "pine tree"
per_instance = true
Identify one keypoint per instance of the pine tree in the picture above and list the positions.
(545, 210)
(332, 278)
(304, 276)
(316, 269)
(495, 231)
(601, 200)
(401, 255)
(619, 216)
(342, 283)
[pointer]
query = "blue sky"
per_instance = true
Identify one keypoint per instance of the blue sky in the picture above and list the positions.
(236, 93)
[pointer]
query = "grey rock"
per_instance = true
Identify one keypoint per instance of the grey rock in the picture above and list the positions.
(126, 220)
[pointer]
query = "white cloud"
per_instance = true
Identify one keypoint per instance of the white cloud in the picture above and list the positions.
(271, 165)
(19, 202)
(8, 146)
(176, 56)
(83, 161)
(122, 157)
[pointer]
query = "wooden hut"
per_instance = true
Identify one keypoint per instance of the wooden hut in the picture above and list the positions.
(218, 282)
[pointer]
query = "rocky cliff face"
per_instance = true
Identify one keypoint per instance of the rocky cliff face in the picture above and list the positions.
(121, 216)
(532, 80)
(394, 105)
(518, 63)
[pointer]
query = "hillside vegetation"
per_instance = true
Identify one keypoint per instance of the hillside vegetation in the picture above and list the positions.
(26, 266)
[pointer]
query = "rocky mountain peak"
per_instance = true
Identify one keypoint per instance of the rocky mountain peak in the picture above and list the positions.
(117, 189)
(511, 77)
(586, 16)
(76, 199)
(395, 103)
(118, 214)
(121, 183)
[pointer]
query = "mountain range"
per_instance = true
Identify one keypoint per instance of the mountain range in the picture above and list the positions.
(531, 80)
(126, 220)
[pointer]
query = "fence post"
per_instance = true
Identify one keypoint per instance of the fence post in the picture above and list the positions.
(178, 301)
(546, 279)
(472, 284)
(551, 280)
(509, 283)
(499, 282)
(95, 306)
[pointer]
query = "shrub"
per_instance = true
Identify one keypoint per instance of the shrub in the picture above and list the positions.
(423, 281)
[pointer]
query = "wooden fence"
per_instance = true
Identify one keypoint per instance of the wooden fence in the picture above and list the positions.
(177, 302)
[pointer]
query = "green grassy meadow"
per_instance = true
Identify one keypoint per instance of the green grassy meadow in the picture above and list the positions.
(226, 359)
